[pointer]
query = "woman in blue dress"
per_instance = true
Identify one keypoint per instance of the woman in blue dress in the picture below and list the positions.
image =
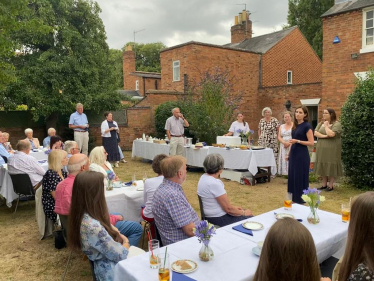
(299, 160)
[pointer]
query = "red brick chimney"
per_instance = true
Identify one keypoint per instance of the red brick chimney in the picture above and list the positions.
(128, 67)
(242, 29)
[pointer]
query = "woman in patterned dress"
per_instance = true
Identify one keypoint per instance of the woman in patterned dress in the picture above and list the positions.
(284, 136)
(268, 131)
(90, 230)
(57, 159)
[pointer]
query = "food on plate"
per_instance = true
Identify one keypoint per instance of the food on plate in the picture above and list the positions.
(199, 144)
(243, 147)
(221, 145)
(183, 264)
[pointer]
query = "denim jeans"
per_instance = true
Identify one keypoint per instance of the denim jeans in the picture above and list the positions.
(226, 220)
(131, 229)
(120, 153)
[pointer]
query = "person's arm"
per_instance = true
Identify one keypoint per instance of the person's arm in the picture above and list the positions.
(168, 134)
(330, 133)
(103, 126)
(229, 134)
(224, 202)
(36, 167)
(317, 134)
(309, 142)
(185, 122)
(188, 229)
(53, 193)
(71, 124)
(180, 212)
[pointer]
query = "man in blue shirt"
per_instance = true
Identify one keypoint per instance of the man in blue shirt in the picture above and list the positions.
(79, 123)
(47, 140)
(3, 151)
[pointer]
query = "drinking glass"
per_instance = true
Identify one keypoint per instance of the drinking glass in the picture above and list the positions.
(163, 267)
(153, 249)
(133, 179)
(145, 177)
(346, 212)
(288, 201)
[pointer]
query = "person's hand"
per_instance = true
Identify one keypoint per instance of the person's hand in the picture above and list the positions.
(116, 178)
(326, 123)
(286, 144)
(82, 127)
(292, 141)
(125, 240)
(248, 213)
(286, 158)
(325, 279)
(115, 229)
(119, 217)
(181, 115)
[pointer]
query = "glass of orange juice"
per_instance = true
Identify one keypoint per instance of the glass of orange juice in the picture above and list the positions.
(346, 212)
(288, 201)
(153, 249)
(163, 267)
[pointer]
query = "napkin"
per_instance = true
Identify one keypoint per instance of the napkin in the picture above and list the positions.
(42, 161)
(181, 277)
(240, 228)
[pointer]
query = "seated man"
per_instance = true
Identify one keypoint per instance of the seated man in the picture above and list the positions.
(150, 187)
(47, 140)
(174, 216)
(64, 190)
(22, 163)
(71, 147)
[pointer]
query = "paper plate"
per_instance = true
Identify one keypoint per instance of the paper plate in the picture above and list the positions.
(284, 215)
(177, 268)
(254, 147)
(252, 225)
(256, 250)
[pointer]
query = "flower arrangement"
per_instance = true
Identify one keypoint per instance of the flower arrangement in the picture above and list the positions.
(110, 176)
(48, 151)
(244, 134)
(313, 198)
(204, 231)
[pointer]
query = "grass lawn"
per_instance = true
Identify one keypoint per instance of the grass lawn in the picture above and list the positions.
(24, 257)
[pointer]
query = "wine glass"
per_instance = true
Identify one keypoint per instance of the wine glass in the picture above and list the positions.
(145, 177)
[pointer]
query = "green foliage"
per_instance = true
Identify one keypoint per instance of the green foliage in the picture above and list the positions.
(67, 65)
(116, 61)
(357, 119)
(147, 56)
(313, 178)
(307, 15)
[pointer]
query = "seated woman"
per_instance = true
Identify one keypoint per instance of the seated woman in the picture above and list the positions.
(99, 163)
(288, 253)
(217, 207)
(358, 259)
(56, 160)
(29, 137)
(6, 142)
(56, 143)
(89, 228)
(47, 140)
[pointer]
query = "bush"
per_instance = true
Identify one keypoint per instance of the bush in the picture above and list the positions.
(357, 119)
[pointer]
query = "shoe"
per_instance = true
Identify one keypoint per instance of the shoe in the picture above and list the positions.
(329, 189)
(123, 161)
(322, 187)
(116, 165)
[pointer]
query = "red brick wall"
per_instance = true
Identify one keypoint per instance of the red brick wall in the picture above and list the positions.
(292, 53)
(128, 66)
(16, 134)
(195, 59)
(238, 32)
(276, 97)
(338, 66)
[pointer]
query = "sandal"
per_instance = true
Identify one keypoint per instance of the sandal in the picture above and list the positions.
(322, 187)
(329, 189)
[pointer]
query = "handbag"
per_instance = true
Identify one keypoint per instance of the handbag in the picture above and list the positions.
(118, 138)
(59, 239)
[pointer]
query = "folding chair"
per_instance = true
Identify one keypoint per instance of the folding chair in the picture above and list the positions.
(22, 187)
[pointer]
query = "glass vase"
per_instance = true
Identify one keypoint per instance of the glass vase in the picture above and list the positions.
(244, 141)
(206, 253)
(110, 186)
(313, 217)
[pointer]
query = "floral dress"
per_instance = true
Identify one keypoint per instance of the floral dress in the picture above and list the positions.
(100, 248)
(269, 135)
(49, 183)
(362, 273)
(282, 163)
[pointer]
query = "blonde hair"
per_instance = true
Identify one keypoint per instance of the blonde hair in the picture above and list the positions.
(97, 155)
(55, 158)
(287, 112)
(171, 165)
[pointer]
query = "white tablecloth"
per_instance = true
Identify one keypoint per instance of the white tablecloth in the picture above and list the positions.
(40, 155)
(233, 259)
(234, 158)
(126, 201)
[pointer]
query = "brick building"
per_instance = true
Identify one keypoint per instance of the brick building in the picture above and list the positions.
(348, 49)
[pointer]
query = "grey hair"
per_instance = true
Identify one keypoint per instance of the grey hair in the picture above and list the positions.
(213, 163)
(50, 130)
(79, 105)
(266, 109)
(28, 130)
(172, 111)
(68, 145)
(72, 168)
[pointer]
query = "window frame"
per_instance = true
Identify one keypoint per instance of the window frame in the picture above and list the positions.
(136, 85)
(174, 67)
(366, 48)
(289, 82)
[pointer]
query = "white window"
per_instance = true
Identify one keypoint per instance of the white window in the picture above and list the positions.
(367, 30)
(137, 85)
(176, 70)
(289, 77)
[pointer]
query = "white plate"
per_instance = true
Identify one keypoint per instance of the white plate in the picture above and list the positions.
(256, 250)
(252, 225)
(284, 215)
(178, 269)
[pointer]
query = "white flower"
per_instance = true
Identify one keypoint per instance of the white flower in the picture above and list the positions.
(306, 198)
(322, 198)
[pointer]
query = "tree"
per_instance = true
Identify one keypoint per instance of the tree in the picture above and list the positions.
(307, 15)
(116, 61)
(70, 64)
(147, 56)
(357, 138)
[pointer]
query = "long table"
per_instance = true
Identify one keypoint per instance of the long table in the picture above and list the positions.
(233, 257)
(235, 159)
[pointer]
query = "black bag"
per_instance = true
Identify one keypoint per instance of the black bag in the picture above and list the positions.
(59, 239)
(118, 138)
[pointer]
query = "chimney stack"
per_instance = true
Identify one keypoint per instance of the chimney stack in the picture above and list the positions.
(242, 29)
(128, 67)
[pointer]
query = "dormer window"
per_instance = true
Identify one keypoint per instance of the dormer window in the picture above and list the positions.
(367, 30)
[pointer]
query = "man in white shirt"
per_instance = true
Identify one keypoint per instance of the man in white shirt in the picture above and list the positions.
(175, 131)
(22, 163)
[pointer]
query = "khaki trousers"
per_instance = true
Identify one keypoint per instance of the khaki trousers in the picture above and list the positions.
(82, 140)
(176, 146)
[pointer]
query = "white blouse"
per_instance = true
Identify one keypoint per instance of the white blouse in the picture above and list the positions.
(105, 126)
(97, 168)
